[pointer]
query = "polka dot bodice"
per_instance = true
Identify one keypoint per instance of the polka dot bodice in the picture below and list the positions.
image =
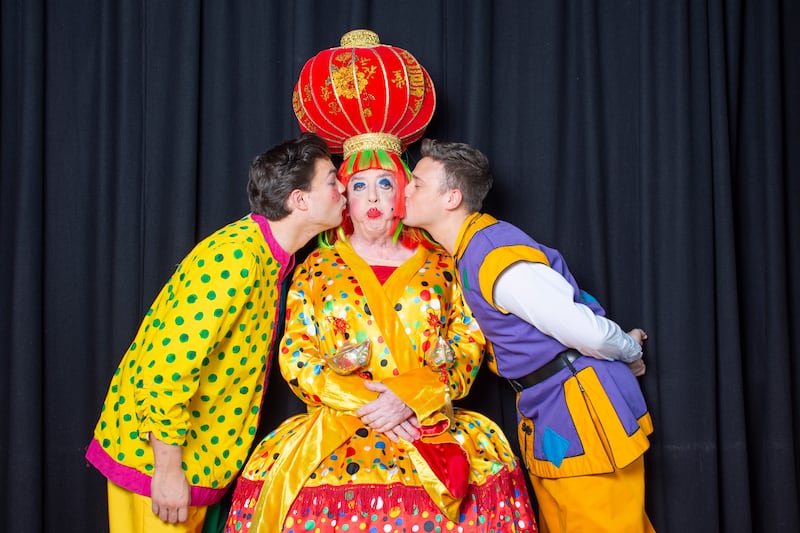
(329, 307)
(195, 373)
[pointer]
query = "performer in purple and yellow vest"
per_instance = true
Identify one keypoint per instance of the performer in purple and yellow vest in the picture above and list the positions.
(584, 424)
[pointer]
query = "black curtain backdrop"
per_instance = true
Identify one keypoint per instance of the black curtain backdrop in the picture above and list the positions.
(657, 144)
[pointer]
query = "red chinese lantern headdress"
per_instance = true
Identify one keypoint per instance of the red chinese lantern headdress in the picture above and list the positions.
(369, 101)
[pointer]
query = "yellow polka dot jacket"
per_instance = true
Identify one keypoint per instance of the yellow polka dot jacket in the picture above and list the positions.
(196, 371)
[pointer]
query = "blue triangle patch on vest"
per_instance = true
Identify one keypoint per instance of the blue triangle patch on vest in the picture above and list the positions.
(554, 446)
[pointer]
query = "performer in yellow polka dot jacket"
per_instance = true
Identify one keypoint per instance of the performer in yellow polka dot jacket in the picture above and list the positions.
(183, 406)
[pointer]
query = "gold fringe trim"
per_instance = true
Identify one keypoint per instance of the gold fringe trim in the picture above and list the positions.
(372, 141)
(359, 38)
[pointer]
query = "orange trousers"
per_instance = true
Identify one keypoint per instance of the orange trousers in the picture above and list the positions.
(602, 502)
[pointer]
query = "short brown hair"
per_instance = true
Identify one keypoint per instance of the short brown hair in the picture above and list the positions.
(466, 169)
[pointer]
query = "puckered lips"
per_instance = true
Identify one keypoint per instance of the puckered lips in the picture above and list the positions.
(374, 212)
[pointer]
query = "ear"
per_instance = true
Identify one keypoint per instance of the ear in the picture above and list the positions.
(297, 200)
(454, 199)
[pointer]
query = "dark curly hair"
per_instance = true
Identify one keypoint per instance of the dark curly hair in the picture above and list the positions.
(282, 169)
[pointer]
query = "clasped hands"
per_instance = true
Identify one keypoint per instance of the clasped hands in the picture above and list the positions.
(638, 367)
(388, 414)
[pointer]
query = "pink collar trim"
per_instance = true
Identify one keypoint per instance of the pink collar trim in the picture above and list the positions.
(284, 258)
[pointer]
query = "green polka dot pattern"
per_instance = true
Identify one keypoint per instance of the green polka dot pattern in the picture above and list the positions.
(195, 373)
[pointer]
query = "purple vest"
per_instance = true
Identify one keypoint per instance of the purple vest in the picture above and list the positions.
(519, 348)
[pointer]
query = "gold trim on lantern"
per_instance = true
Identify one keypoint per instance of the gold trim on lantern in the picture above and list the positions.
(359, 38)
(372, 141)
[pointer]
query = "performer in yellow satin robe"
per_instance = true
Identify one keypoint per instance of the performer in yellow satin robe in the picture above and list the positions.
(379, 341)
(340, 466)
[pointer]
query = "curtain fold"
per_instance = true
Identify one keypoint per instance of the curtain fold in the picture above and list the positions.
(22, 222)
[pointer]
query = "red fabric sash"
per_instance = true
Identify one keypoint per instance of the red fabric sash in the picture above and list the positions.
(449, 462)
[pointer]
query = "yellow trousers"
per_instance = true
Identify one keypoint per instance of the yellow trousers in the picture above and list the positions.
(611, 500)
(602, 502)
(132, 513)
